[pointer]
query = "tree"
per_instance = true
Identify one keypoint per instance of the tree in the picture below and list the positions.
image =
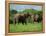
(13, 11)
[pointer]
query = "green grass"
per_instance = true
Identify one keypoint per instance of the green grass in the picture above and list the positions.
(30, 27)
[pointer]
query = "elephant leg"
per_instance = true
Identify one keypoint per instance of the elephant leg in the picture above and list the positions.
(22, 22)
(15, 21)
(25, 22)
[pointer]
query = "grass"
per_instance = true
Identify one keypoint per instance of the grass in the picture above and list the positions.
(30, 27)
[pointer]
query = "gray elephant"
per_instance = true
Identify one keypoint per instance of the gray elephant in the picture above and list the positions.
(21, 18)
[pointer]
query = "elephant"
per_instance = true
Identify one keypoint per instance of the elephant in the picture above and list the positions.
(21, 18)
(37, 18)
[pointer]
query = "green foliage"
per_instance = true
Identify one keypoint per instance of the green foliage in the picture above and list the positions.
(10, 21)
(32, 11)
(13, 11)
(28, 10)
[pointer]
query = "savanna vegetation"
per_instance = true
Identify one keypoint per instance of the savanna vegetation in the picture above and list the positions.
(30, 27)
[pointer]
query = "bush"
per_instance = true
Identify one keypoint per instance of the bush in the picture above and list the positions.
(10, 21)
